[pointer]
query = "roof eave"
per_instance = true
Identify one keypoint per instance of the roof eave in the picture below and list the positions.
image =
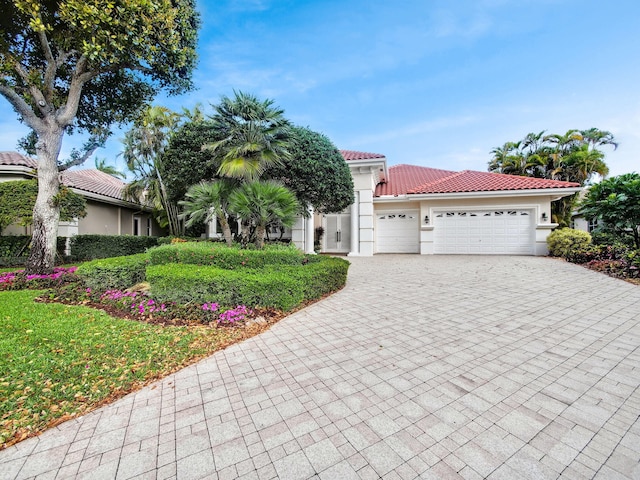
(110, 200)
(557, 193)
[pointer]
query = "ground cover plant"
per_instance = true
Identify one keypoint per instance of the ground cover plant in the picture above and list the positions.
(73, 341)
(59, 361)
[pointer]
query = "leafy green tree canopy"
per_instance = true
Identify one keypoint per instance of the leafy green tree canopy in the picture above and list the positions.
(615, 202)
(80, 66)
(183, 162)
(17, 198)
(316, 172)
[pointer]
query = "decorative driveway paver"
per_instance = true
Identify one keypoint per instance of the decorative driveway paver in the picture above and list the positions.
(421, 367)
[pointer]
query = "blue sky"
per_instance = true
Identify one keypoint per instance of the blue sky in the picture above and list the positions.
(425, 82)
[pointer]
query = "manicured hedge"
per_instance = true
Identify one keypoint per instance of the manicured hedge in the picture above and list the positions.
(219, 255)
(114, 273)
(89, 247)
(283, 287)
(15, 249)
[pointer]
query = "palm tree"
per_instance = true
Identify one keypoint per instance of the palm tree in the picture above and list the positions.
(596, 138)
(583, 163)
(143, 148)
(208, 200)
(101, 164)
(262, 202)
(252, 134)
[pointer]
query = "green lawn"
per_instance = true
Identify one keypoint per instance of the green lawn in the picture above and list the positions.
(58, 361)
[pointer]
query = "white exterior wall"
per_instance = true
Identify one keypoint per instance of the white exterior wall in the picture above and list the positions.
(539, 205)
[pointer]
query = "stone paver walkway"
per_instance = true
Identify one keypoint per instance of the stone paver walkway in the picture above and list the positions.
(422, 367)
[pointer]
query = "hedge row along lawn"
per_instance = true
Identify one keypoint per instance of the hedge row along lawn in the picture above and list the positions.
(58, 361)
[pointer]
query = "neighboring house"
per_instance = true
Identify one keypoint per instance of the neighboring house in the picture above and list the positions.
(108, 212)
(413, 209)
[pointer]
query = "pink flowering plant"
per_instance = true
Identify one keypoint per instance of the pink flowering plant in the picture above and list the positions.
(18, 280)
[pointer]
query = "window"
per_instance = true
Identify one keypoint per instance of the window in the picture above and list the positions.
(593, 224)
(136, 226)
(149, 229)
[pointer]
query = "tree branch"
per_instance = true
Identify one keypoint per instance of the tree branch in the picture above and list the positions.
(77, 158)
(22, 107)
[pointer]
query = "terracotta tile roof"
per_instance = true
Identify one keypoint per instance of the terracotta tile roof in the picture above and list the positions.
(17, 159)
(410, 179)
(90, 180)
(94, 181)
(353, 155)
(403, 178)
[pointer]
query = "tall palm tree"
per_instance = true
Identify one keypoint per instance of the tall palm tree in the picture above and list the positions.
(260, 203)
(143, 148)
(252, 134)
(208, 200)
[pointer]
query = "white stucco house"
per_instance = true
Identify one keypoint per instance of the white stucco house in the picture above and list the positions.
(414, 209)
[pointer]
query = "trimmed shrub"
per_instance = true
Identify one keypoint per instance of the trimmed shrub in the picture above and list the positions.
(89, 247)
(14, 250)
(114, 273)
(221, 256)
(565, 241)
(283, 287)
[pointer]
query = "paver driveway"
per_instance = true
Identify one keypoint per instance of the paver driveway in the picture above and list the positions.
(422, 367)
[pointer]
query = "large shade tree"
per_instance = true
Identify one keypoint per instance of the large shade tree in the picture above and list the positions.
(81, 66)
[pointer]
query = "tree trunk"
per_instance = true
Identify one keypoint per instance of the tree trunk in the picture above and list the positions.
(226, 229)
(260, 230)
(46, 211)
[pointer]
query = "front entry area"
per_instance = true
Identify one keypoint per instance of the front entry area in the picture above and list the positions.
(337, 233)
(499, 232)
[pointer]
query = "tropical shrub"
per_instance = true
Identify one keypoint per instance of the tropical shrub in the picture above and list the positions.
(564, 241)
(221, 256)
(114, 273)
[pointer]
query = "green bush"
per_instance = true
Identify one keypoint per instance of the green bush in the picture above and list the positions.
(565, 241)
(283, 287)
(89, 247)
(114, 273)
(15, 249)
(221, 256)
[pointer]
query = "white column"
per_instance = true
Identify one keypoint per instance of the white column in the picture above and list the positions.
(309, 231)
(213, 228)
(355, 226)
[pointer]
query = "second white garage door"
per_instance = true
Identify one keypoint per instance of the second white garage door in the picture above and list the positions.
(397, 232)
(506, 232)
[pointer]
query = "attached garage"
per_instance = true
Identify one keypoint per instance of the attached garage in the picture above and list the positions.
(488, 231)
(398, 231)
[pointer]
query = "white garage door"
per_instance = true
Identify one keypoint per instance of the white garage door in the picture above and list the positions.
(398, 232)
(506, 232)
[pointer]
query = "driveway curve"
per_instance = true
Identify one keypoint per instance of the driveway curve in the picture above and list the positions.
(421, 367)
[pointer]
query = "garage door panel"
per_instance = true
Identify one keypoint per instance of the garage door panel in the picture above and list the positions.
(398, 232)
(484, 232)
